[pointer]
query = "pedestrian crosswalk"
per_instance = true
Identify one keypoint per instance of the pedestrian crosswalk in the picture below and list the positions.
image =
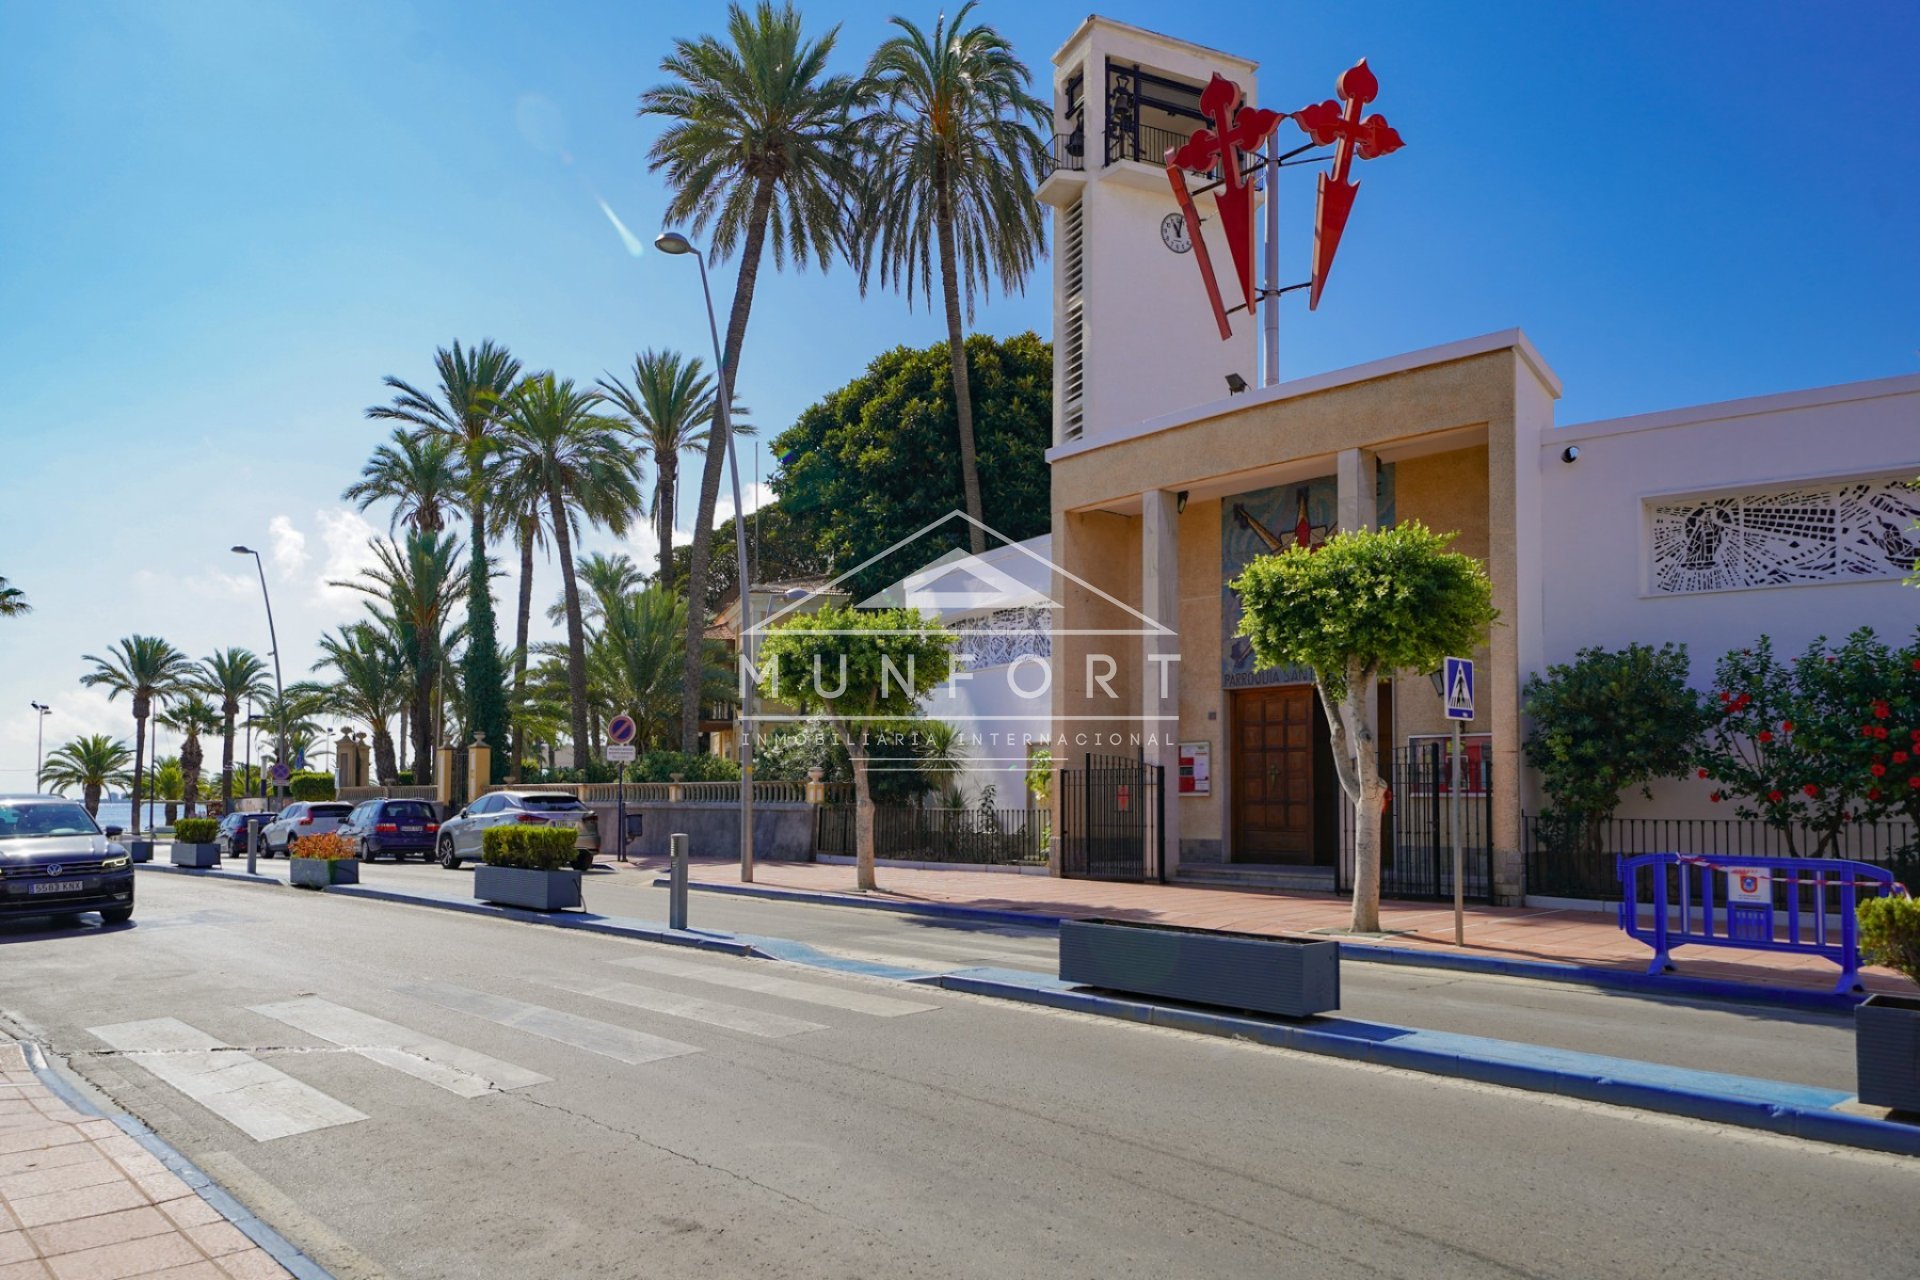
(267, 1101)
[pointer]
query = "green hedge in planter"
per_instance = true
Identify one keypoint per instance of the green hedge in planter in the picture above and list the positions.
(1890, 934)
(535, 848)
(195, 830)
(311, 786)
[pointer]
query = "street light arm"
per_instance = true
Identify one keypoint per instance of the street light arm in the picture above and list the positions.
(273, 638)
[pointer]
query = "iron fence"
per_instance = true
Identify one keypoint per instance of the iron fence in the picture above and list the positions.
(1110, 819)
(1416, 839)
(971, 837)
(1067, 151)
(1146, 143)
(1565, 861)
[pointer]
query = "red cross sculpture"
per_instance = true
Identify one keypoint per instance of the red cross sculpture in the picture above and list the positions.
(1237, 129)
(1330, 122)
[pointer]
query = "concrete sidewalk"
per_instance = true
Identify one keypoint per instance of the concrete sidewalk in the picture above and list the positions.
(1587, 939)
(81, 1200)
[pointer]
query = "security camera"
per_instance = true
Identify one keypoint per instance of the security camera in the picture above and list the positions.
(1570, 453)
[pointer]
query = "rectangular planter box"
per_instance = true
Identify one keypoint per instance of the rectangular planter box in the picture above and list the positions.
(1291, 977)
(1886, 1043)
(140, 850)
(524, 887)
(196, 855)
(318, 873)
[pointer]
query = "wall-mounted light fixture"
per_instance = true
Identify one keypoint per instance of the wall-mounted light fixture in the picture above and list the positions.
(1180, 503)
(1235, 384)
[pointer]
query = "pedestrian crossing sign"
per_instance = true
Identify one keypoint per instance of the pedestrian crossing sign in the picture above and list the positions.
(1457, 681)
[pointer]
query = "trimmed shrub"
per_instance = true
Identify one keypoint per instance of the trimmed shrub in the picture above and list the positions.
(660, 766)
(195, 830)
(1890, 934)
(311, 786)
(326, 845)
(534, 848)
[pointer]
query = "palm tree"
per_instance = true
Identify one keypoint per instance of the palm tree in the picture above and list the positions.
(190, 717)
(637, 658)
(669, 405)
(519, 512)
(413, 588)
(960, 139)
(581, 460)
(144, 668)
(370, 684)
(474, 385)
(606, 578)
(417, 471)
(233, 676)
(91, 763)
(13, 601)
(759, 139)
(169, 786)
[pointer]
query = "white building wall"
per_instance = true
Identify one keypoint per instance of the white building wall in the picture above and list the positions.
(1595, 524)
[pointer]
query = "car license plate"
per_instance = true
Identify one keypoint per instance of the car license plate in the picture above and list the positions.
(59, 886)
(414, 831)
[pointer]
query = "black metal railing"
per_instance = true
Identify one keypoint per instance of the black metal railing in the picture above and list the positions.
(1067, 151)
(970, 837)
(1565, 860)
(1416, 844)
(1110, 819)
(1143, 142)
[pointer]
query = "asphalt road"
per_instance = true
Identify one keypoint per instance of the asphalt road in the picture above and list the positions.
(1744, 1039)
(416, 1093)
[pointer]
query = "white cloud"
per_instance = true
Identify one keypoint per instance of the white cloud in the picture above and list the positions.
(345, 534)
(289, 546)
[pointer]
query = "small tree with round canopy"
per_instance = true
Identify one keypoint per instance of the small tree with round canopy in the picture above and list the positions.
(1364, 604)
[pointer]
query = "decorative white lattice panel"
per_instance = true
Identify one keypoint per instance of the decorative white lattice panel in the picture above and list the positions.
(1003, 635)
(1837, 532)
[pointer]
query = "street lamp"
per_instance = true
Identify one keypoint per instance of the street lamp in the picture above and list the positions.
(40, 741)
(672, 242)
(279, 692)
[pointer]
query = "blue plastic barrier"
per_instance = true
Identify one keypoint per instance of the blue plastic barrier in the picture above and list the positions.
(1732, 901)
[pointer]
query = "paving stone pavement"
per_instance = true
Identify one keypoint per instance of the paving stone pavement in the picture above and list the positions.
(80, 1200)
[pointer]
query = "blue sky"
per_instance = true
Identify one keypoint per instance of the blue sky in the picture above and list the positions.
(224, 222)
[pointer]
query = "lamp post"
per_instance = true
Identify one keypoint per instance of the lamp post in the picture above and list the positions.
(39, 740)
(672, 242)
(279, 691)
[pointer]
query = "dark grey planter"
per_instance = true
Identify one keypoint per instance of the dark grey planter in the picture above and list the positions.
(1886, 1045)
(195, 855)
(140, 850)
(524, 887)
(318, 873)
(1291, 977)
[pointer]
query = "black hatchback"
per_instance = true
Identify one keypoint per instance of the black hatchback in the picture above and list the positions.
(399, 828)
(55, 861)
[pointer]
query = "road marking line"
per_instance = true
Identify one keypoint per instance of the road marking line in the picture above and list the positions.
(784, 988)
(467, 1072)
(675, 1005)
(949, 945)
(260, 1101)
(604, 1038)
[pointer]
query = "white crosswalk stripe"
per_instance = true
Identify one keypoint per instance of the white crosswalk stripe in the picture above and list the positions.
(604, 1038)
(459, 1070)
(753, 978)
(957, 946)
(260, 1101)
(753, 1022)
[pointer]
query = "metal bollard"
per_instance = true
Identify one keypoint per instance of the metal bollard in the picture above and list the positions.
(253, 840)
(677, 881)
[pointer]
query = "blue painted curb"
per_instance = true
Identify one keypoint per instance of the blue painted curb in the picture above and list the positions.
(275, 1245)
(1374, 953)
(1800, 1111)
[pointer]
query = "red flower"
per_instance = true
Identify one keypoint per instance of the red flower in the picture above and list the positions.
(1766, 735)
(1866, 730)
(1744, 699)
(1725, 696)
(1703, 773)
(1786, 726)
(1916, 664)
(1914, 782)
(1915, 735)
(1878, 770)
(1880, 709)
(1899, 757)
(1873, 793)
(1715, 797)
(1775, 796)
(1879, 732)
(1812, 790)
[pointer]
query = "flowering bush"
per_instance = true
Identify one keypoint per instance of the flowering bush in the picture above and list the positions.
(326, 845)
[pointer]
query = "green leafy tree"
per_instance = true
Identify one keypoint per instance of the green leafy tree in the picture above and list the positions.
(230, 677)
(856, 479)
(417, 471)
(466, 411)
(190, 716)
(90, 765)
(957, 148)
(13, 601)
(412, 590)
(668, 403)
(1609, 721)
(1364, 605)
(760, 146)
(371, 683)
(148, 670)
(863, 671)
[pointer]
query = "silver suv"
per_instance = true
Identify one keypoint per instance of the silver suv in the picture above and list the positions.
(300, 819)
(462, 834)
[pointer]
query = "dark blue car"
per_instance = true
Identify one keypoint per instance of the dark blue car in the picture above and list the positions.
(396, 828)
(55, 861)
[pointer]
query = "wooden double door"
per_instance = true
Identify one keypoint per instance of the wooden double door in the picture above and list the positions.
(1285, 795)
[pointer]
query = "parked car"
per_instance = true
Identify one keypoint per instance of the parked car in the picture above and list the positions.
(461, 835)
(396, 827)
(232, 836)
(56, 861)
(301, 818)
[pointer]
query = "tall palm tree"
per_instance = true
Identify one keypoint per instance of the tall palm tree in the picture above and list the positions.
(669, 405)
(231, 676)
(637, 657)
(519, 513)
(145, 668)
(413, 588)
(190, 716)
(759, 140)
(606, 578)
(466, 410)
(91, 763)
(370, 684)
(961, 148)
(582, 461)
(13, 601)
(417, 471)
